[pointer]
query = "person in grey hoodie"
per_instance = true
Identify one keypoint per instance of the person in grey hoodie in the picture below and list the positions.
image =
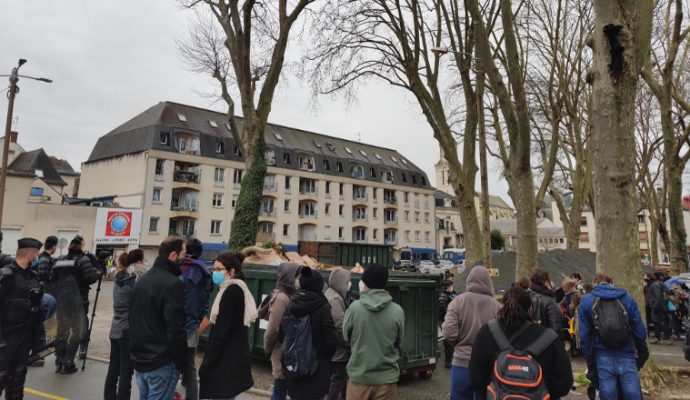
(280, 298)
(338, 286)
(466, 314)
(118, 381)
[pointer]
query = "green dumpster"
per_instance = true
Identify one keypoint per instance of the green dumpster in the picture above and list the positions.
(417, 294)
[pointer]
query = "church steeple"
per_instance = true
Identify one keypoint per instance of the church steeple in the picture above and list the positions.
(442, 174)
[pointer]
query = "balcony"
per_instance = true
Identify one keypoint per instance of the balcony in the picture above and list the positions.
(360, 219)
(271, 189)
(186, 177)
(265, 237)
(390, 201)
(360, 240)
(390, 242)
(307, 215)
(390, 221)
(268, 215)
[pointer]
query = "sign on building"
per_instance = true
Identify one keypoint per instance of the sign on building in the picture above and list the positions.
(117, 226)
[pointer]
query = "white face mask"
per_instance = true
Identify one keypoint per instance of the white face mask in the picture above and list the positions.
(349, 285)
(362, 286)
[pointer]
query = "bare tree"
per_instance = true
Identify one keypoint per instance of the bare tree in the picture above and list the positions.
(244, 51)
(620, 42)
(665, 76)
(402, 42)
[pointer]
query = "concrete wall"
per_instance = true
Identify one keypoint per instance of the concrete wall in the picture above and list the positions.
(123, 176)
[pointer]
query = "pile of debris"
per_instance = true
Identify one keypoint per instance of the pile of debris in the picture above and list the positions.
(273, 256)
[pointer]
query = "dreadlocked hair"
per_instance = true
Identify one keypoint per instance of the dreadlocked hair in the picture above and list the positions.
(515, 310)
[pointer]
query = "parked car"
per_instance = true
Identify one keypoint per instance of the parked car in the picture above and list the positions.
(428, 267)
(446, 265)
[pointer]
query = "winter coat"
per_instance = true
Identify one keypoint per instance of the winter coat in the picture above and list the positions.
(84, 268)
(197, 292)
(657, 297)
(545, 310)
(468, 312)
(590, 343)
(122, 291)
(323, 337)
(226, 369)
(280, 298)
(337, 299)
(44, 267)
(374, 326)
(157, 318)
(555, 362)
(5, 260)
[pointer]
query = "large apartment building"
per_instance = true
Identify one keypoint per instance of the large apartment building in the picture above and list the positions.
(180, 165)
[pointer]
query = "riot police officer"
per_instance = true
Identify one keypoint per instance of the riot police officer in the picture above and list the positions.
(20, 316)
(83, 268)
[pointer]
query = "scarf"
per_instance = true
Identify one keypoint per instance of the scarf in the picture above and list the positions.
(250, 311)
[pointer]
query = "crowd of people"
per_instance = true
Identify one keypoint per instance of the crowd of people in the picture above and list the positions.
(321, 343)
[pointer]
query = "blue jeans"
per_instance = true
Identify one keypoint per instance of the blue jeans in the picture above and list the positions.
(279, 389)
(460, 384)
(158, 384)
(618, 371)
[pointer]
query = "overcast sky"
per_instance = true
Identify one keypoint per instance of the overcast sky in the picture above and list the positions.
(111, 60)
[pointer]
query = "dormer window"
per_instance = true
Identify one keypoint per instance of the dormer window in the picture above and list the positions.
(228, 127)
(305, 162)
(212, 123)
(330, 146)
(317, 143)
(404, 178)
(165, 138)
(423, 181)
(278, 136)
(181, 117)
(372, 172)
(340, 167)
(414, 180)
(326, 165)
(387, 176)
(362, 153)
(270, 156)
(238, 151)
(394, 159)
(377, 155)
(286, 158)
(403, 161)
(347, 149)
(357, 171)
(220, 147)
(38, 173)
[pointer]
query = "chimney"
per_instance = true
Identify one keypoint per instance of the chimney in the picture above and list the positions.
(13, 136)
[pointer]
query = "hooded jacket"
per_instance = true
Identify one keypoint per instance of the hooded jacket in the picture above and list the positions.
(468, 312)
(337, 299)
(280, 298)
(374, 327)
(545, 310)
(122, 291)
(157, 318)
(314, 304)
(589, 339)
(657, 299)
(197, 292)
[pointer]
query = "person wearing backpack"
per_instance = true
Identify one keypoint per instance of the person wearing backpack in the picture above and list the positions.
(337, 295)
(276, 306)
(466, 314)
(374, 327)
(307, 333)
(613, 340)
(659, 304)
(511, 351)
(226, 369)
(545, 311)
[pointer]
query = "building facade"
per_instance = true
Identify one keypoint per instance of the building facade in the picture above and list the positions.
(180, 165)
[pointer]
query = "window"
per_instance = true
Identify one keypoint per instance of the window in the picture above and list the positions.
(583, 221)
(307, 208)
(362, 152)
(305, 163)
(165, 138)
(340, 232)
(374, 234)
(423, 181)
(36, 192)
(153, 224)
(360, 234)
(377, 155)
(220, 147)
(393, 158)
(237, 177)
(215, 227)
(159, 169)
(307, 186)
(416, 216)
(270, 156)
(238, 151)
(219, 176)
(359, 192)
(327, 232)
(234, 201)
(277, 135)
(348, 150)
(286, 229)
(317, 143)
(407, 216)
(267, 208)
(287, 184)
(407, 198)
(640, 219)
(286, 206)
(407, 236)
(416, 200)
(326, 165)
(426, 217)
(417, 236)
(157, 195)
(374, 213)
(389, 216)
(404, 177)
(341, 210)
(427, 237)
(342, 189)
(414, 180)
(286, 158)
(357, 171)
(403, 161)
(327, 209)
(217, 199)
(373, 193)
(328, 187)
(372, 172)
(340, 166)
(181, 117)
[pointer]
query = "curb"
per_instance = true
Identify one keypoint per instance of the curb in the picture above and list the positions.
(253, 390)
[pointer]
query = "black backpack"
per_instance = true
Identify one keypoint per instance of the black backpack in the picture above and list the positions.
(611, 322)
(299, 355)
(516, 373)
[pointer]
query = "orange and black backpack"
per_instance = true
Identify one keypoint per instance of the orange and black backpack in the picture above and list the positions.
(516, 373)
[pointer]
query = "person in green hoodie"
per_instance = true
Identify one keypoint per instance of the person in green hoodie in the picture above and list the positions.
(374, 327)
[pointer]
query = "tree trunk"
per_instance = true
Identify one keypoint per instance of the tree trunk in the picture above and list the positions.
(245, 223)
(470, 228)
(483, 171)
(678, 250)
(523, 197)
(621, 42)
(653, 240)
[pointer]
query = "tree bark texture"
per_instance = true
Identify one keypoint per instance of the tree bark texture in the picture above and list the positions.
(621, 43)
(679, 250)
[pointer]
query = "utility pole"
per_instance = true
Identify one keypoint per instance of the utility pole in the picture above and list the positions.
(13, 90)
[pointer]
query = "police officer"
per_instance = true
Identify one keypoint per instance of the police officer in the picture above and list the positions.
(46, 260)
(83, 268)
(20, 316)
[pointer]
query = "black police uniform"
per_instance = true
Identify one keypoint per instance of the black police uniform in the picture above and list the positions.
(81, 266)
(20, 317)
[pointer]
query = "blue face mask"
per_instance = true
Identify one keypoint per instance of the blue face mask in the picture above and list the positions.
(218, 277)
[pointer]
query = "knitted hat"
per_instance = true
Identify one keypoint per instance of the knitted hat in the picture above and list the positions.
(311, 280)
(375, 276)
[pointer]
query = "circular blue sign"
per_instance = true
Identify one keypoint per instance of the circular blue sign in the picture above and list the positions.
(118, 224)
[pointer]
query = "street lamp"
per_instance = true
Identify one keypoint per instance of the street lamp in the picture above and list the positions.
(11, 94)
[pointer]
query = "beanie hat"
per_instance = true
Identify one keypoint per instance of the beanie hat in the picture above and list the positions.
(311, 280)
(375, 276)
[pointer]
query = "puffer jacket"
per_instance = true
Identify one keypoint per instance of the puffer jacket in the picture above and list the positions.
(197, 292)
(122, 293)
(280, 298)
(545, 310)
(468, 312)
(338, 300)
